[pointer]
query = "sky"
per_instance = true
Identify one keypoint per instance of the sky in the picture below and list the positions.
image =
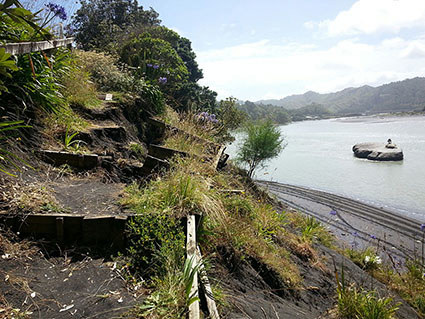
(266, 49)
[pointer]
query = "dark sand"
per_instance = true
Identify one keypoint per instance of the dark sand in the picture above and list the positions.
(355, 223)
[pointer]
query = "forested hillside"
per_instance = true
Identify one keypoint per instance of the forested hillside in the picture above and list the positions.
(407, 95)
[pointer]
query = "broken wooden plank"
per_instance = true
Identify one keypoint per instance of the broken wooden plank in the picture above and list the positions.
(231, 191)
(163, 127)
(212, 307)
(218, 156)
(152, 164)
(164, 153)
(194, 312)
(28, 47)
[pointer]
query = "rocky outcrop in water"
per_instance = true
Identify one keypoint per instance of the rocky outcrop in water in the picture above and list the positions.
(378, 151)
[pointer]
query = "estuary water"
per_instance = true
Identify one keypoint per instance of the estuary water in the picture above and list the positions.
(319, 155)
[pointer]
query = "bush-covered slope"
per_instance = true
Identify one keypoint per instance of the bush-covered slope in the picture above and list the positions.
(407, 95)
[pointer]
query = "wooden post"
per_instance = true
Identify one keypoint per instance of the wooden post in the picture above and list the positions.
(191, 255)
(59, 229)
(212, 308)
(217, 157)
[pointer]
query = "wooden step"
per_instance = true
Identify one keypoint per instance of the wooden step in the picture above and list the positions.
(162, 128)
(107, 112)
(164, 153)
(69, 229)
(82, 161)
(153, 164)
(113, 133)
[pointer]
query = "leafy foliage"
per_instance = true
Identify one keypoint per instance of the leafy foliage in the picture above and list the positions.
(6, 66)
(154, 58)
(256, 112)
(354, 303)
(262, 141)
(171, 297)
(37, 82)
(18, 24)
(100, 24)
(103, 70)
(152, 95)
(191, 97)
(6, 157)
(367, 258)
(182, 45)
(151, 232)
(155, 53)
(230, 116)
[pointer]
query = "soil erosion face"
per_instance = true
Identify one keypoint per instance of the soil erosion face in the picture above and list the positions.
(62, 287)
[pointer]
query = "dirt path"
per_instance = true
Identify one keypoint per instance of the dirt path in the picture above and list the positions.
(356, 223)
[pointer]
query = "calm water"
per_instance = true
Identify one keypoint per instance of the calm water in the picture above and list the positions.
(319, 156)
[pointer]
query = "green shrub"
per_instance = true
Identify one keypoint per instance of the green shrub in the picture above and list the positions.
(171, 289)
(105, 73)
(155, 59)
(151, 232)
(367, 259)
(239, 206)
(355, 304)
(419, 303)
(311, 229)
(37, 82)
(152, 95)
(78, 88)
(138, 149)
(416, 270)
(261, 142)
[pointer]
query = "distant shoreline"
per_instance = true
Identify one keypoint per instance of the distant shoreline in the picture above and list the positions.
(360, 116)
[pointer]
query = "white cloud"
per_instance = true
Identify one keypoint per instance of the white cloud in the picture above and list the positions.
(264, 69)
(310, 25)
(372, 16)
(227, 27)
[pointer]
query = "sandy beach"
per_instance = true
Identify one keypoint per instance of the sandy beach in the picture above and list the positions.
(356, 224)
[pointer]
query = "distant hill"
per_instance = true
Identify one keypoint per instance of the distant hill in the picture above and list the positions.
(407, 95)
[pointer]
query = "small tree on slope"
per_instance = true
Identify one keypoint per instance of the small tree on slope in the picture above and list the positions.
(262, 141)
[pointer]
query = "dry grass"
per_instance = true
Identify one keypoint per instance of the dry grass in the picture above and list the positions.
(11, 247)
(9, 312)
(191, 124)
(243, 222)
(32, 198)
(408, 283)
(78, 89)
(56, 124)
(182, 143)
